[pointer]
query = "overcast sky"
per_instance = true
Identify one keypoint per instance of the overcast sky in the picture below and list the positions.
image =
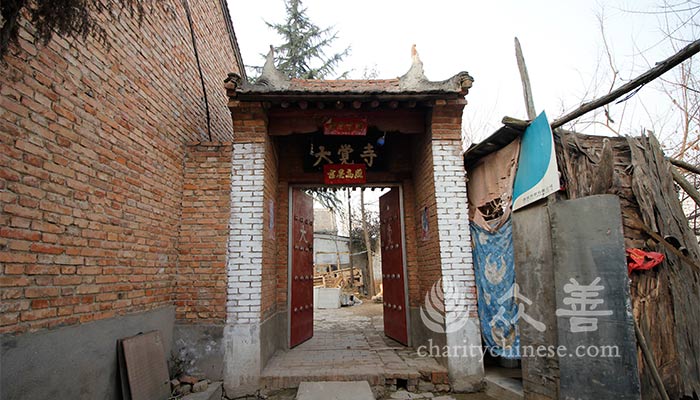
(561, 41)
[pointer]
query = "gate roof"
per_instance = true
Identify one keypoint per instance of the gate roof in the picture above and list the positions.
(273, 85)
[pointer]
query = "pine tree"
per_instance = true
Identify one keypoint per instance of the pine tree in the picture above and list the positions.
(303, 53)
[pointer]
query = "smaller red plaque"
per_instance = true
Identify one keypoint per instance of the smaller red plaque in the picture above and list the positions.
(343, 174)
(345, 127)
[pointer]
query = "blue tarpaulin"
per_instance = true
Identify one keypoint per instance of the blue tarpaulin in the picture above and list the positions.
(495, 281)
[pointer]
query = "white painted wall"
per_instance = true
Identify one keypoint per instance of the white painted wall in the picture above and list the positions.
(331, 249)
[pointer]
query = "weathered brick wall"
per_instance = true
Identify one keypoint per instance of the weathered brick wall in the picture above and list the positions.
(200, 292)
(427, 248)
(246, 227)
(270, 244)
(451, 197)
(282, 235)
(453, 222)
(92, 144)
(457, 271)
(249, 121)
(217, 60)
(413, 270)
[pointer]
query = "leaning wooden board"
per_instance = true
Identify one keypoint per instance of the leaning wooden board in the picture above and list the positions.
(143, 357)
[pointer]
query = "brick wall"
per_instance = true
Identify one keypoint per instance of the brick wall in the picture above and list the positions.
(428, 249)
(282, 235)
(451, 197)
(440, 185)
(92, 145)
(270, 244)
(453, 222)
(413, 270)
(249, 121)
(246, 227)
(200, 292)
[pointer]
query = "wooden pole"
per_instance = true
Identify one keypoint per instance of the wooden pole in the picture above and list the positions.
(352, 270)
(368, 244)
(685, 165)
(660, 68)
(649, 359)
(525, 79)
(686, 186)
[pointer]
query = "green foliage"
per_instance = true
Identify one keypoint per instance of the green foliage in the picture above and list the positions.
(303, 52)
(71, 18)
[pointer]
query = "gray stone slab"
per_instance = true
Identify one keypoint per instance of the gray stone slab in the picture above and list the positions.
(534, 270)
(589, 249)
(354, 390)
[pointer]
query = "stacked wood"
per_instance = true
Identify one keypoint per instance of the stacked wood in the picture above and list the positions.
(665, 299)
(339, 278)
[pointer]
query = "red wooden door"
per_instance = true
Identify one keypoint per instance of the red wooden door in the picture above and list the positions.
(393, 277)
(302, 276)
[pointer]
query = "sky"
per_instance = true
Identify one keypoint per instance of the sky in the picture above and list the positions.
(561, 41)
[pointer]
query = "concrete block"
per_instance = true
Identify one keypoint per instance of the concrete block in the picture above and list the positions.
(327, 297)
(353, 390)
(241, 359)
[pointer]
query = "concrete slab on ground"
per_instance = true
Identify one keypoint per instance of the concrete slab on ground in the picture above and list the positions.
(355, 390)
(404, 395)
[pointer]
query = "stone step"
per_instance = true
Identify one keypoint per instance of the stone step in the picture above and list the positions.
(292, 381)
(353, 390)
(503, 388)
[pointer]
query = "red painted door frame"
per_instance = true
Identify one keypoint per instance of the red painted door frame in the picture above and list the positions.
(302, 271)
(395, 312)
(393, 272)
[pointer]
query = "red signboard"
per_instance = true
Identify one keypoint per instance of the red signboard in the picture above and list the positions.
(345, 127)
(343, 174)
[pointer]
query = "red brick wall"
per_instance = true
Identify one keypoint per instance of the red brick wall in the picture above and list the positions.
(92, 145)
(428, 249)
(446, 119)
(249, 121)
(200, 291)
(282, 235)
(415, 297)
(270, 244)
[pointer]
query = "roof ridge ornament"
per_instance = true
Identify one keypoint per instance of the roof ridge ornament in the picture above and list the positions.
(415, 80)
(271, 76)
(273, 82)
(416, 73)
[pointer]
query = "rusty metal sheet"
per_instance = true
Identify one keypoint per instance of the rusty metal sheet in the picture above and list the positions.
(146, 367)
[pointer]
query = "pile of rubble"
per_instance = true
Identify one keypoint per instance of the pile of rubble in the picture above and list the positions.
(186, 384)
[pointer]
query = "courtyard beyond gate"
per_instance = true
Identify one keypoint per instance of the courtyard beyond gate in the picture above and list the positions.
(349, 345)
